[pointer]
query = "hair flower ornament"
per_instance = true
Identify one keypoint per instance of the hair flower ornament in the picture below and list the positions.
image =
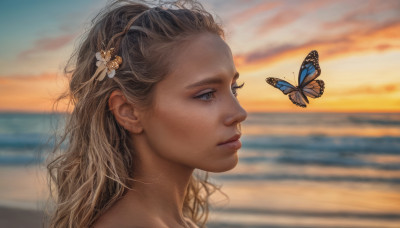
(105, 65)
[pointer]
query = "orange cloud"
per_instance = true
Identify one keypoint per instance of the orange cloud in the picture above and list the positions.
(251, 12)
(47, 44)
(30, 93)
(369, 90)
(291, 13)
(279, 20)
(362, 16)
(383, 38)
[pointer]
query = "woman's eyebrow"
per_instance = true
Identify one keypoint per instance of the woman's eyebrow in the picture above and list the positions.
(211, 80)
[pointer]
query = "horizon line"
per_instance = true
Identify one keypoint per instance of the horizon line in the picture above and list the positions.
(33, 112)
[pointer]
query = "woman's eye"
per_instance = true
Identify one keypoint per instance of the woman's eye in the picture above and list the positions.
(206, 96)
(211, 94)
(236, 87)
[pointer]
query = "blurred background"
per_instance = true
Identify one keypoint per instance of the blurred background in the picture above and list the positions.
(335, 163)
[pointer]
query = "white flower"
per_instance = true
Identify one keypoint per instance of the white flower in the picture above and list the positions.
(100, 60)
(111, 74)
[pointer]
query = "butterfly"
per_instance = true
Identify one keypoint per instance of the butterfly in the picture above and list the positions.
(307, 85)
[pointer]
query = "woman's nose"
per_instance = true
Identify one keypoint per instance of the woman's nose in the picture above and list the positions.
(236, 113)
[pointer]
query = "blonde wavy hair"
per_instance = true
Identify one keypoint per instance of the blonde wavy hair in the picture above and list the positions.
(92, 162)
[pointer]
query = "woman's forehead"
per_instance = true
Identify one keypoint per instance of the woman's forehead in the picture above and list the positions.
(206, 55)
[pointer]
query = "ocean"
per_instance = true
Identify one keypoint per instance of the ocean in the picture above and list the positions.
(295, 169)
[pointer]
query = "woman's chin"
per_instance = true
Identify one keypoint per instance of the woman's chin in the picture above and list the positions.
(223, 165)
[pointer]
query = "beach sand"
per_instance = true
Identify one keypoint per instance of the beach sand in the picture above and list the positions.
(20, 218)
(23, 193)
(24, 218)
(283, 204)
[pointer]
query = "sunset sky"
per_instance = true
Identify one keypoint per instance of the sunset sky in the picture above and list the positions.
(358, 43)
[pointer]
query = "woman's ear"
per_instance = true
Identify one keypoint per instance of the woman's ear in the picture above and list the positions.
(126, 114)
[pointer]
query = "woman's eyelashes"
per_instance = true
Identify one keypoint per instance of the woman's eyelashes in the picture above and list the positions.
(236, 87)
(211, 94)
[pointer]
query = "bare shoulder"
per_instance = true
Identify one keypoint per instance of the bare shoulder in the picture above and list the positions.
(111, 219)
(121, 219)
(112, 223)
(105, 221)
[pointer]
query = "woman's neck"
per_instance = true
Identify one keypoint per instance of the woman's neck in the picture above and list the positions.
(161, 191)
(157, 195)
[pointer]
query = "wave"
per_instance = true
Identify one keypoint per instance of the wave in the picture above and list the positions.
(315, 178)
(317, 160)
(24, 141)
(25, 158)
(321, 143)
(376, 119)
(324, 119)
(348, 152)
(274, 225)
(313, 213)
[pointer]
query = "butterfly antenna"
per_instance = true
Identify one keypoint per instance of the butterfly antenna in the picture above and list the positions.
(294, 79)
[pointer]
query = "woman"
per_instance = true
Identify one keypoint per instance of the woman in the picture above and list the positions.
(153, 91)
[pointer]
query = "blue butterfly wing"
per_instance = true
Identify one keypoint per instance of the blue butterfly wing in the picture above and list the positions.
(282, 85)
(309, 69)
(295, 95)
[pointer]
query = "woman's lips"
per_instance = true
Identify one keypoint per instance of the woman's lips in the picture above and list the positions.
(233, 142)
